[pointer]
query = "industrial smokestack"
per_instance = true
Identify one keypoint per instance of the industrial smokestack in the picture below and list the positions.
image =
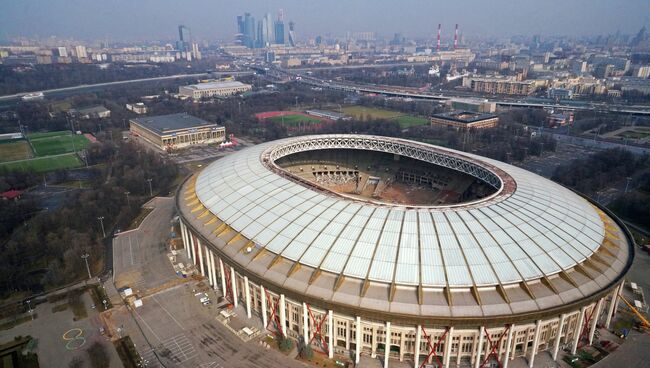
(456, 37)
(438, 45)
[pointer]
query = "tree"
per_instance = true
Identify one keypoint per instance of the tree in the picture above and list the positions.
(285, 343)
(98, 355)
(305, 350)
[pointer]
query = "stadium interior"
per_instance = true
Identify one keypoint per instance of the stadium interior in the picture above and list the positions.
(384, 177)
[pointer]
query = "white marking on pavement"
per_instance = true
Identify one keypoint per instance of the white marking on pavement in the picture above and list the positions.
(169, 314)
(147, 325)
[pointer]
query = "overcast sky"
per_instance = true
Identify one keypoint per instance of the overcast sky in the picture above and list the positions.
(216, 19)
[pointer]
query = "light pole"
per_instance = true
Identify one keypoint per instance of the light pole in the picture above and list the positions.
(85, 257)
(296, 102)
(101, 222)
(150, 190)
(627, 184)
(29, 308)
(128, 201)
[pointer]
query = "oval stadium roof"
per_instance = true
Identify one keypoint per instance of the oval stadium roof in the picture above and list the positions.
(533, 230)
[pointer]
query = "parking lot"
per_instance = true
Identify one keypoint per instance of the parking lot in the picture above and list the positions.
(145, 246)
(172, 325)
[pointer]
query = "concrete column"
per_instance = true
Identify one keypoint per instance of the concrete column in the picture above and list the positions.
(214, 271)
(222, 273)
(283, 316)
(202, 267)
(263, 297)
(448, 343)
(185, 241)
(416, 356)
(576, 337)
(305, 323)
(506, 357)
(247, 291)
(373, 344)
(538, 328)
(612, 305)
(358, 334)
(233, 285)
(193, 251)
(387, 345)
(479, 348)
(208, 264)
(558, 337)
(618, 297)
(594, 320)
(330, 334)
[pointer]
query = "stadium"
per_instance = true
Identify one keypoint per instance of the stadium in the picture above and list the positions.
(382, 247)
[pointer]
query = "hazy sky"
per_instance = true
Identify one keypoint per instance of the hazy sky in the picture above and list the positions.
(215, 19)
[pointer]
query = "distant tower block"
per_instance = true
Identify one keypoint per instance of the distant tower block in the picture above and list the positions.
(438, 44)
(456, 37)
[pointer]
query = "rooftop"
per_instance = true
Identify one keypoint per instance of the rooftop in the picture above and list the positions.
(167, 123)
(464, 116)
(219, 84)
(93, 109)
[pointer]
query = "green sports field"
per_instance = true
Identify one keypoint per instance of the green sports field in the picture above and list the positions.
(15, 150)
(407, 121)
(369, 113)
(43, 164)
(293, 120)
(55, 143)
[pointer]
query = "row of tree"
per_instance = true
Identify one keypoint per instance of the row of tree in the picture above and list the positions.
(47, 250)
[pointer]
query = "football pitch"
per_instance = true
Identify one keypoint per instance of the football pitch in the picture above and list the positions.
(42, 152)
(370, 113)
(15, 150)
(56, 143)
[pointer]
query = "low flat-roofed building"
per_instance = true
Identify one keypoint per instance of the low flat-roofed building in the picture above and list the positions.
(138, 108)
(464, 120)
(499, 85)
(211, 89)
(327, 114)
(473, 105)
(92, 112)
(168, 132)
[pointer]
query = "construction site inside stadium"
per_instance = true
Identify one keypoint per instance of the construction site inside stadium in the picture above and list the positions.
(382, 247)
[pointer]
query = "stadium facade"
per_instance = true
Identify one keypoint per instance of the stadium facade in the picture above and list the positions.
(323, 239)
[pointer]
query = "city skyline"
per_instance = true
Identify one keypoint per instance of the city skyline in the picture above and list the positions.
(149, 20)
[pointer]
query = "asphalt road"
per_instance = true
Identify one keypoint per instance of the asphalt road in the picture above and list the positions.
(83, 87)
(139, 256)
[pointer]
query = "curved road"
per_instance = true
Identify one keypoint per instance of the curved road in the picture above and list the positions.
(106, 84)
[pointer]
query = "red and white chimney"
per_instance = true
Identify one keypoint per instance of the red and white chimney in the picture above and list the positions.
(438, 45)
(456, 37)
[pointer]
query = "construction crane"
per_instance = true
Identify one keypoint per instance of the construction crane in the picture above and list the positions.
(645, 325)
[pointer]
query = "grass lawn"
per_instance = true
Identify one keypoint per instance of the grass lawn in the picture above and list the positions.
(44, 164)
(293, 120)
(54, 143)
(15, 150)
(368, 113)
(406, 121)
(633, 134)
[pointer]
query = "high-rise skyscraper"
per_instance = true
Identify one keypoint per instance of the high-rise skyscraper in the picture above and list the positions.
(248, 30)
(185, 39)
(279, 29)
(292, 34)
(265, 34)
